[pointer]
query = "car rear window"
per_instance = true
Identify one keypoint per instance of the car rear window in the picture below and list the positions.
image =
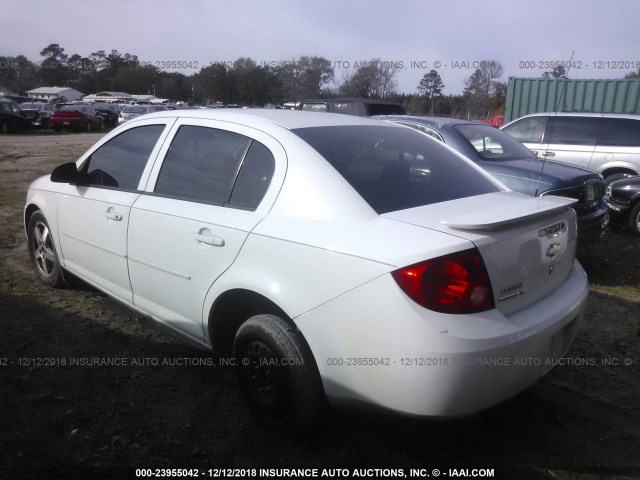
(394, 168)
(493, 144)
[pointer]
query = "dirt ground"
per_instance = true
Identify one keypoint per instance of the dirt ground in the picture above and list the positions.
(156, 411)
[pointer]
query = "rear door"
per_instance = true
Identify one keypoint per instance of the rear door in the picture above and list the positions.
(618, 145)
(214, 184)
(570, 139)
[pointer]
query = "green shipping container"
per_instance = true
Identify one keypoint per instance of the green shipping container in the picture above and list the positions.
(531, 95)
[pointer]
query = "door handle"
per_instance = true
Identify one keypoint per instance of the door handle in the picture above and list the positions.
(111, 215)
(209, 239)
(549, 154)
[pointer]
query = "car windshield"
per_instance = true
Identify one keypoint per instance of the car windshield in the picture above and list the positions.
(493, 144)
(31, 106)
(396, 168)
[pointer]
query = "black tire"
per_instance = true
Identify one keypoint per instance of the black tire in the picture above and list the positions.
(4, 128)
(42, 251)
(46, 124)
(634, 218)
(88, 128)
(277, 374)
(57, 129)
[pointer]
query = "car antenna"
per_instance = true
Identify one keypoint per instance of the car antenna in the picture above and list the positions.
(560, 99)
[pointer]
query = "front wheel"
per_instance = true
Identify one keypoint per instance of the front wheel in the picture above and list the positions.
(616, 176)
(634, 219)
(278, 374)
(42, 251)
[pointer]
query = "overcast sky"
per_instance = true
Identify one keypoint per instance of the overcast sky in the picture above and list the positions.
(415, 34)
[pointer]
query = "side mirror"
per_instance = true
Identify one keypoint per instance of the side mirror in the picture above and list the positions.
(66, 173)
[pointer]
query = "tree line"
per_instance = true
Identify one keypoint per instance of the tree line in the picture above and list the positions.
(246, 82)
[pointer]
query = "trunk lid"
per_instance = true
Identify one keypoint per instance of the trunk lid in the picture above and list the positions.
(527, 243)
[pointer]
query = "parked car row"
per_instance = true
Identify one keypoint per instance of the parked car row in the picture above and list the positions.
(77, 115)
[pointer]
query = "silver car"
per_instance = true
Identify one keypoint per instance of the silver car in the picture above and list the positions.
(606, 142)
(134, 111)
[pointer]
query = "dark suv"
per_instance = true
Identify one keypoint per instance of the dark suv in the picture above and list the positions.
(363, 107)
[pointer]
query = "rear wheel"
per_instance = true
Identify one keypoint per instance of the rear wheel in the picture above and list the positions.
(4, 128)
(634, 218)
(277, 373)
(42, 251)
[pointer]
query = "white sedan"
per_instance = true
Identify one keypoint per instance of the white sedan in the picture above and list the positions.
(326, 255)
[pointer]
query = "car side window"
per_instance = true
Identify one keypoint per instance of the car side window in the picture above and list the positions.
(254, 177)
(119, 163)
(201, 164)
(527, 130)
(572, 130)
(622, 132)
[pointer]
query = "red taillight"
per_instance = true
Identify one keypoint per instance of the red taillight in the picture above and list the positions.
(455, 283)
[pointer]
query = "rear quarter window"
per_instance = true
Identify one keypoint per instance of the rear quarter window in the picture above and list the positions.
(620, 132)
(395, 168)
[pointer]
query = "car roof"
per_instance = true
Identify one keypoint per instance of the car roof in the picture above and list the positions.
(289, 119)
(437, 122)
(582, 114)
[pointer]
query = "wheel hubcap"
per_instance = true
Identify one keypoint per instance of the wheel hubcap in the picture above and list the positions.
(263, 378)
(44, 254)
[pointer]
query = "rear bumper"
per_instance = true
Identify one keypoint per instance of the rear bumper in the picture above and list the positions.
(68, 122)
(389, 352)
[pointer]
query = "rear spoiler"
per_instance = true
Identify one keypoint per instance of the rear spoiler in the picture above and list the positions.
(516, 208)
